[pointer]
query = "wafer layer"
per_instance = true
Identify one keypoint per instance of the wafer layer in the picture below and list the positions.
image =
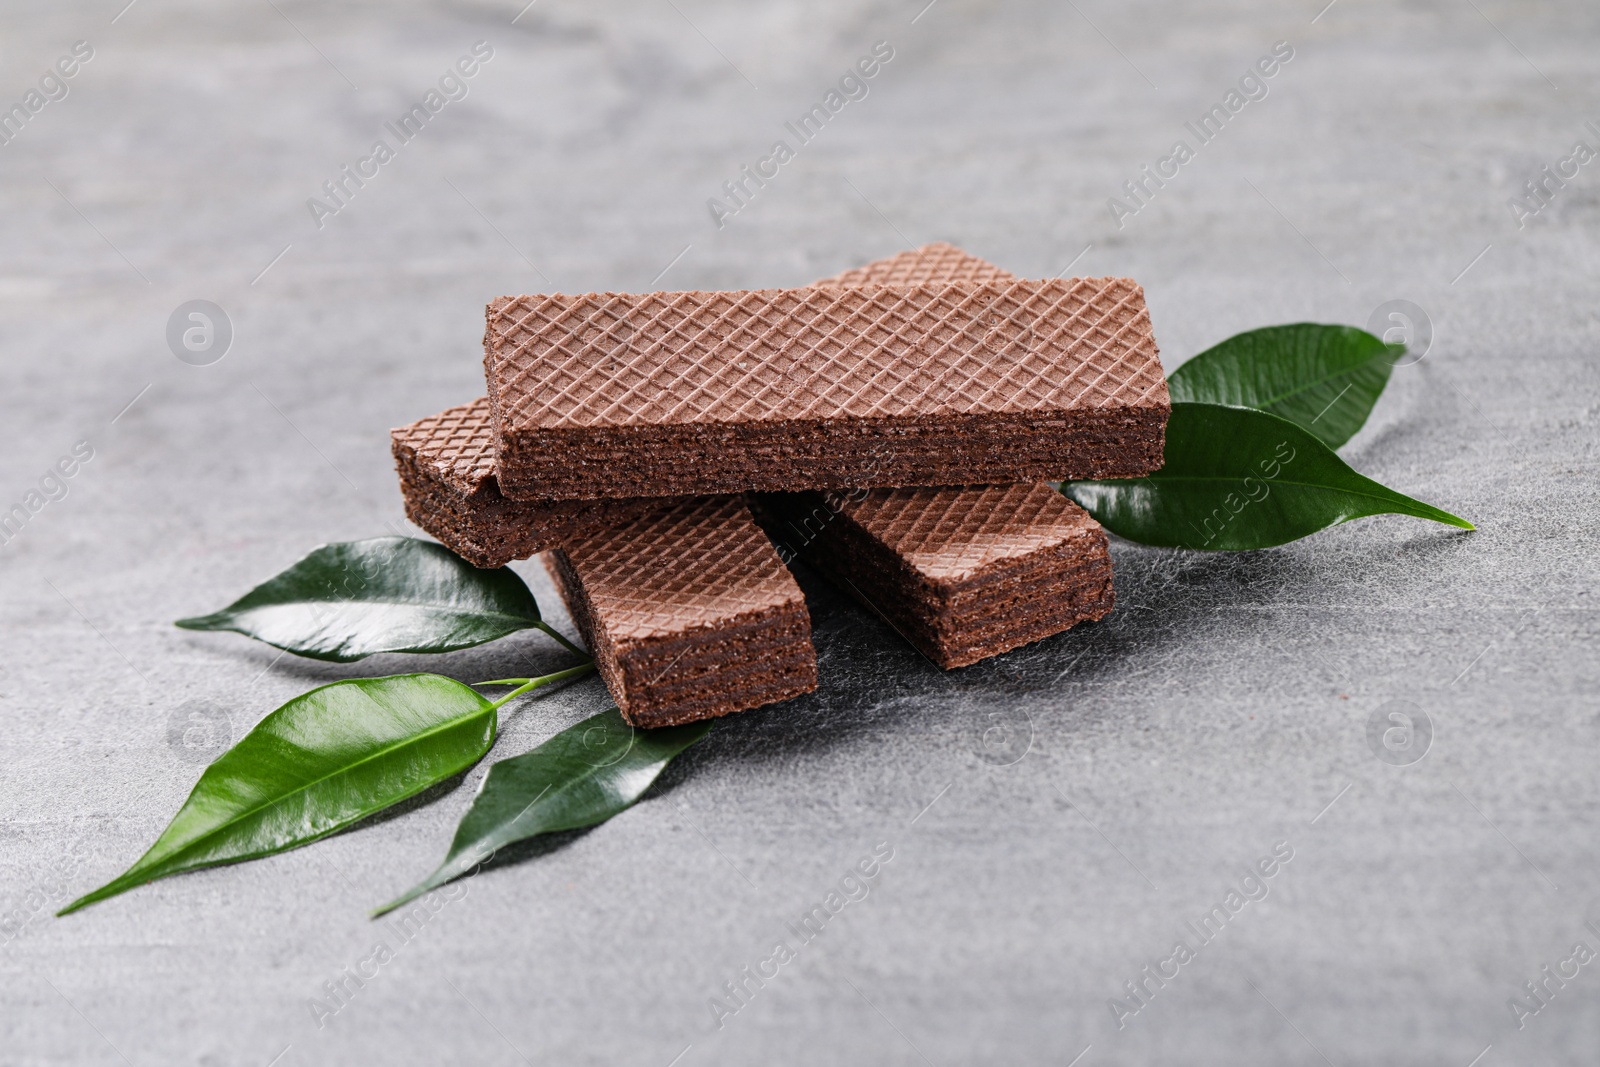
(963, 574)
(446, 465)
(688, 612)
(696, 392)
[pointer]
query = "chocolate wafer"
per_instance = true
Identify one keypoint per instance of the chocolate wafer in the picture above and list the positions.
(962, 573)
(689, 612)
(446, 464)
(939, 263)
(625, 395)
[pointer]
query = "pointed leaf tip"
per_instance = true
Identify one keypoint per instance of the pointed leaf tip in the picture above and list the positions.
(1324, 379)
(1238, 479)
(323, 761)
(351, 599)
(581, 777)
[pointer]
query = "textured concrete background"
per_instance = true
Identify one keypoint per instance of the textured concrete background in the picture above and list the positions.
(1221, 712)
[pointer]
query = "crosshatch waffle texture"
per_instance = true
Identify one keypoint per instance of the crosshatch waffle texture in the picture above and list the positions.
(937, 263)
(956, 535)
(689, 612)
(917, 555)
(936, 384)
(446, 466)
(963, 574)
(457, 443)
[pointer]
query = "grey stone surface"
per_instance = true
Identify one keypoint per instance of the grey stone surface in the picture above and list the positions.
(1222, 710)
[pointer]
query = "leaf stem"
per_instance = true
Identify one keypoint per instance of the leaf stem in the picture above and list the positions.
(547, 628)
(525, 685)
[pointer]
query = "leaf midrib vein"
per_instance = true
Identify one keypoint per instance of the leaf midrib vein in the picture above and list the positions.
(415, 738)
(1305, 388)
(1302, 485)
(561, 790)
(403, 603)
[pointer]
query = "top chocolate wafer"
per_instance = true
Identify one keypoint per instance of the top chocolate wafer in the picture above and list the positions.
(616, 394)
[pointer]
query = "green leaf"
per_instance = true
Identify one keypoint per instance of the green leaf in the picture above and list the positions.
(324, 760)
(580, 777)
(351, 599)
(1240, 479)
(1324, 379)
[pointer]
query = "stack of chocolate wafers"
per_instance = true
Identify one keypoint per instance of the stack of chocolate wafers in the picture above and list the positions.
(894, 425)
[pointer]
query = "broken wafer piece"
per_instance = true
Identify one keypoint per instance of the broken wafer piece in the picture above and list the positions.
(625, 395)
(446, 464)
(688, 612)
(962, 574)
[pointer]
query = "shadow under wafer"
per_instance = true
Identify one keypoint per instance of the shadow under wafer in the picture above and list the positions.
(962, 573)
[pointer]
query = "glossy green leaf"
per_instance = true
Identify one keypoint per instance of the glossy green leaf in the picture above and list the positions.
(1324, 379)
(324, 760)
(1240, 479)
(351, 599)
(580, 777)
